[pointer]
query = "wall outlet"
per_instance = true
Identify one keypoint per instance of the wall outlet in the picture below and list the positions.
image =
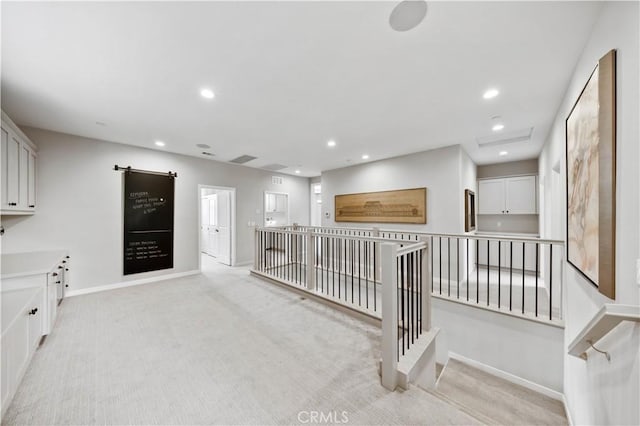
(499, 224)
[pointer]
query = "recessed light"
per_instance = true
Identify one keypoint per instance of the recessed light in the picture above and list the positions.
(203, 146)
(297, 172)
(491, 93)
(159, 143)
(502, 153)
(207, 93)
(365, 157)
(331, 143)
(497, 127)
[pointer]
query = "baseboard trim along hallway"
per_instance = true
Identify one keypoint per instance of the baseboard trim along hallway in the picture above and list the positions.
(131, 283)
(508, 377)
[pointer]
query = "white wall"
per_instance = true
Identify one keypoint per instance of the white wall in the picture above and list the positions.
(80, 204)
(523, 348)
(599, 392)
(439, 170)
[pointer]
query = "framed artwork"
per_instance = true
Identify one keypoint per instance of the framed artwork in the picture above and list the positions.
(469, 210)
(591, 178)
(401, 206)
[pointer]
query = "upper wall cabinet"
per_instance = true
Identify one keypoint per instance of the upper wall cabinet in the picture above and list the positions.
(512, 195)
(18, 168)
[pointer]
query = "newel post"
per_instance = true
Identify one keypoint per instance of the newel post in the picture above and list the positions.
(425, 283)
(256, 249)
(389, 316)
(310, 267)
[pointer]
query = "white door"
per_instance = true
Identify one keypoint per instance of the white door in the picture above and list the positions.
(204, 224)
(491, 196)
(213, 232)
(520, 195)
(223, 228)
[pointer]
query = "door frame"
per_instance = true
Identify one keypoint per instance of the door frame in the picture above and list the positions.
(232, 222)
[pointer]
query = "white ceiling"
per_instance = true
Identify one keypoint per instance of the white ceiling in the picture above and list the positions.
(288, 76)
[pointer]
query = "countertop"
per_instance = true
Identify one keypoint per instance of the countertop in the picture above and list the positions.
(29, 263)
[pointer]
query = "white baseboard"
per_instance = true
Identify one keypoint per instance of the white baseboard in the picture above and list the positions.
(124, 284)
(566, 410)
(509, 377)
(245, 263)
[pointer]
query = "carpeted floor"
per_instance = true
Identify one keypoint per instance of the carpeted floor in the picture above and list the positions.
(216, 348)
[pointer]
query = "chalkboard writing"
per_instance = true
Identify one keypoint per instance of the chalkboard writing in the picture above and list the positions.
(148, 222)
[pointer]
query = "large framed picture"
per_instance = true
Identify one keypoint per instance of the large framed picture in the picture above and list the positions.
(401, 206)
(591, 178)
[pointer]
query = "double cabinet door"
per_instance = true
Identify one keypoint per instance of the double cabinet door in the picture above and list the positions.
(513, 195)
(18, 173)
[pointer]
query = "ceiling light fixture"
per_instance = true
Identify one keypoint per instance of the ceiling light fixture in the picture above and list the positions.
(159, 143)
(491, 93)
(365, 156)
(502, 153)
(207, 93)
(331, 143)
(297, 172)
(497, 127)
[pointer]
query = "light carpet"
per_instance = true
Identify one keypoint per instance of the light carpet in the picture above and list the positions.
(218, 348)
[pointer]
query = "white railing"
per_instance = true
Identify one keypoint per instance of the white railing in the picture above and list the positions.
(384, 278)
(518, 276)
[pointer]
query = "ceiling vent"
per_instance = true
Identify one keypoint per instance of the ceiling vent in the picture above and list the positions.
(274, 167)
(243, 159)
(523, 135)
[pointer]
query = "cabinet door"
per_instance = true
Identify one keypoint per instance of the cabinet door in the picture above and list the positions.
(5, 368)
(4, 157)
(23, 185)
(521, 195)
(281, 203)
(35, 321)
(491, 196)
(11, 170)
(31, 181)
(19, 350)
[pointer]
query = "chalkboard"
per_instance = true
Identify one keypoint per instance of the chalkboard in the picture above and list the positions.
(148, 222)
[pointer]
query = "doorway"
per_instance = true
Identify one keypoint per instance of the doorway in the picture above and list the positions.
(315, 208)
(276, 208)
(216, 225)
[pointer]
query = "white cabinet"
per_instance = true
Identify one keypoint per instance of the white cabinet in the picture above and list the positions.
(512, 195)
(21, 333)
(18, 170)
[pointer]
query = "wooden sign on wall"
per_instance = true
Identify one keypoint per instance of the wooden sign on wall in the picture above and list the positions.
(400, 206)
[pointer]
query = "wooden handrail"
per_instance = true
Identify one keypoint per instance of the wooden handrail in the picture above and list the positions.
(607, 318)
